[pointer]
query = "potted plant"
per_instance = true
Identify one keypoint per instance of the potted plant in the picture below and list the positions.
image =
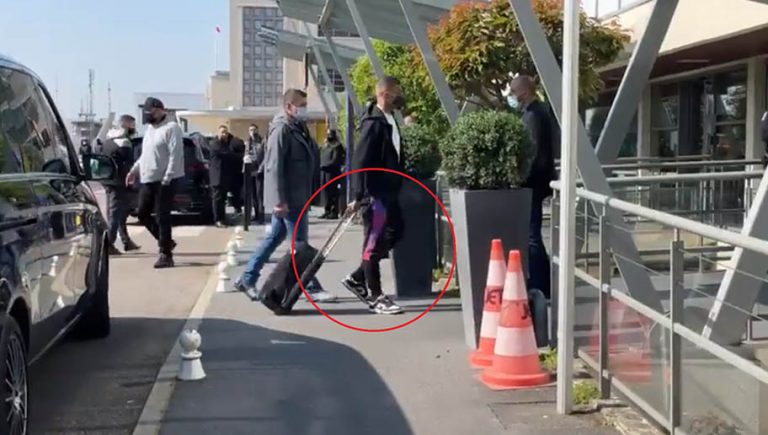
(414, 256)
(486, 158)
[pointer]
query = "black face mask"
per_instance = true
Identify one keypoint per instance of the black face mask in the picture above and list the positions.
(147, 118)
(398, 103)
(130, 131)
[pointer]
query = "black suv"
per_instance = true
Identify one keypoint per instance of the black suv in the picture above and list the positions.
(193, 195)
(54, 265)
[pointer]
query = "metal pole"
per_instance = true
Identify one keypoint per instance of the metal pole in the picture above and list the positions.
(570, 119)
(344, 73)
(676, 316)
(554, 237)
(365, 37)
(604, 303)
(350, 142)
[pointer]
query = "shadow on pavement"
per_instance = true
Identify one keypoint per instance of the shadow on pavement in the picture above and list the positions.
(271, 382)
(100, 386)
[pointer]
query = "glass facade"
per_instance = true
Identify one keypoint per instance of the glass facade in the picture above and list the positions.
(594, 121)
(701, 115)
(335, 76)
(262, 66)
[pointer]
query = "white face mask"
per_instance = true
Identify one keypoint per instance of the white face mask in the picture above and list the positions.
(513, 102)
(302, 114)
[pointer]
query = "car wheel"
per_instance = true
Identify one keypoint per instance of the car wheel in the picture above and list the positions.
(14, 386)
(95, 321)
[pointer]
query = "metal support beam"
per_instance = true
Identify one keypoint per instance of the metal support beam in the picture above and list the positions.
(362, 30)
(344, 73)
(323, 68)
(739, 291)
(569, 118)
(636, 75)
(625, 251)
(320, 93)
(419, 32)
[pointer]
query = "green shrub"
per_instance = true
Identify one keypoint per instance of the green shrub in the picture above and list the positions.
(422, 154)
(585, 392)
(487, 150)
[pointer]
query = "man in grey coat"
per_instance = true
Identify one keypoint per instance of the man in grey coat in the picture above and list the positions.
(291, 165)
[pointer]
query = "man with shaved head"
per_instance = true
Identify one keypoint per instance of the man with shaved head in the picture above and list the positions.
(541, 128)
(378, 147)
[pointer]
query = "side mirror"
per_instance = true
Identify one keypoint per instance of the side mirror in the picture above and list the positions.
(101, 168)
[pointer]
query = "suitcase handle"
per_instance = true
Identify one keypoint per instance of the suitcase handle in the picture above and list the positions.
(346, 220)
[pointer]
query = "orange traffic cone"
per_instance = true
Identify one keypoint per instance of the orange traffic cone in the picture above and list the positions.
(483, 356)
(516, 358)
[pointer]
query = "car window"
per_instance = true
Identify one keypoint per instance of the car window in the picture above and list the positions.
(10, 158)
(28, 123)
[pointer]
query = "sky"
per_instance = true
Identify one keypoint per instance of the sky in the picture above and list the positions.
(136, 46)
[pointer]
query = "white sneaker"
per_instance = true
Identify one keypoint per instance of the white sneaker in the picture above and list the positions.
(322, 296)
(384, 305)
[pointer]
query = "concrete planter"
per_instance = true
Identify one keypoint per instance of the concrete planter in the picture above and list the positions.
(414, 256)
(480, 216)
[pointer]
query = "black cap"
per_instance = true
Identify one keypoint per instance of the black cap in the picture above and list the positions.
(153, 103)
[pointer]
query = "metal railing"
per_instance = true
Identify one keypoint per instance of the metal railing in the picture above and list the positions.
(647, 368)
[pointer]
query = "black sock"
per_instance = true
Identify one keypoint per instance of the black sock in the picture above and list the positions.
(373, 277)
(358, 275)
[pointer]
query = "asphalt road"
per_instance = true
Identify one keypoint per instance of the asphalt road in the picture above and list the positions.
(99, 387)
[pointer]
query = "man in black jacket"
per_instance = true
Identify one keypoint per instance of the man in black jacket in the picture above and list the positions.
(255, 148)
(331, 160)
(378, 147)
(542, 130)
(225, 172)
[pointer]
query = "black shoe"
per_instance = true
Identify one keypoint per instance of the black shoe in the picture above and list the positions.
(131, 246)
(357, 288)
(251, 292)
(114, 251)
(333, 217)
(165, 261)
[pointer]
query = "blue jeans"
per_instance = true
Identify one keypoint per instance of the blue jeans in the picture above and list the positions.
(538, 260)
(281, 228)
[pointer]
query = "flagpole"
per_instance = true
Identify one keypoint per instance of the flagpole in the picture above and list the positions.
(216, 50)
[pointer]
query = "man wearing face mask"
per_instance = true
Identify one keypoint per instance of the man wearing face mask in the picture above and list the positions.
(225, 173)
(118, 146)
(160, 165)
(541, 128)
(379, 146)
(290, 167)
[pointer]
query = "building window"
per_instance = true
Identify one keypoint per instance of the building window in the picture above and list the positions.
(665, 107)
(336, 80)
(262, 66)
(595, 118)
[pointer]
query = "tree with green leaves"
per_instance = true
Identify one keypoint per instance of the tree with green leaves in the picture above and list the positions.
(479, 46)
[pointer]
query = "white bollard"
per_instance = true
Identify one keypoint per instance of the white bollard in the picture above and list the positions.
(239, 236)
(191, 367)
(223, 285)
(232, 254)
(54, 266)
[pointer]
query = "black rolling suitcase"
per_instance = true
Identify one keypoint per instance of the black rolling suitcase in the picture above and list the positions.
(281, 291)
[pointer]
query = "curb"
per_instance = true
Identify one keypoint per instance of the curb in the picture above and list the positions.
(151, 417)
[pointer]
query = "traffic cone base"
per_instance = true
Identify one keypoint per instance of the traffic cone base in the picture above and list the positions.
(503, 380)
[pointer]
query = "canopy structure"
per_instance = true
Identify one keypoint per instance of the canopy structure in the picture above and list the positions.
(395, 21)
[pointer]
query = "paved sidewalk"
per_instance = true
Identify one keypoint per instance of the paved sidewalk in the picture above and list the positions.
(303, 374)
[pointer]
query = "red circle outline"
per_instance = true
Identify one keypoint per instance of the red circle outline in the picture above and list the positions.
(339, 322)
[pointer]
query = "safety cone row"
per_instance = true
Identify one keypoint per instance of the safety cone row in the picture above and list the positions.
(515, 363)
(483, 356)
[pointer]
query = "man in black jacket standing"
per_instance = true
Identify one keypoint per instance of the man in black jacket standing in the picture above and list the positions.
(541, 127)
(378, 147)
(255, 148)
(331, 160)
(225, 172)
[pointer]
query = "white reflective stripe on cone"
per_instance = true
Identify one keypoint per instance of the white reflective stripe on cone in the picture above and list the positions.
(514, 287)
(497, 270)
(515, 342)
(490, 324)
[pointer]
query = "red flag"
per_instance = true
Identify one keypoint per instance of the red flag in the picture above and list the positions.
(218, 29)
